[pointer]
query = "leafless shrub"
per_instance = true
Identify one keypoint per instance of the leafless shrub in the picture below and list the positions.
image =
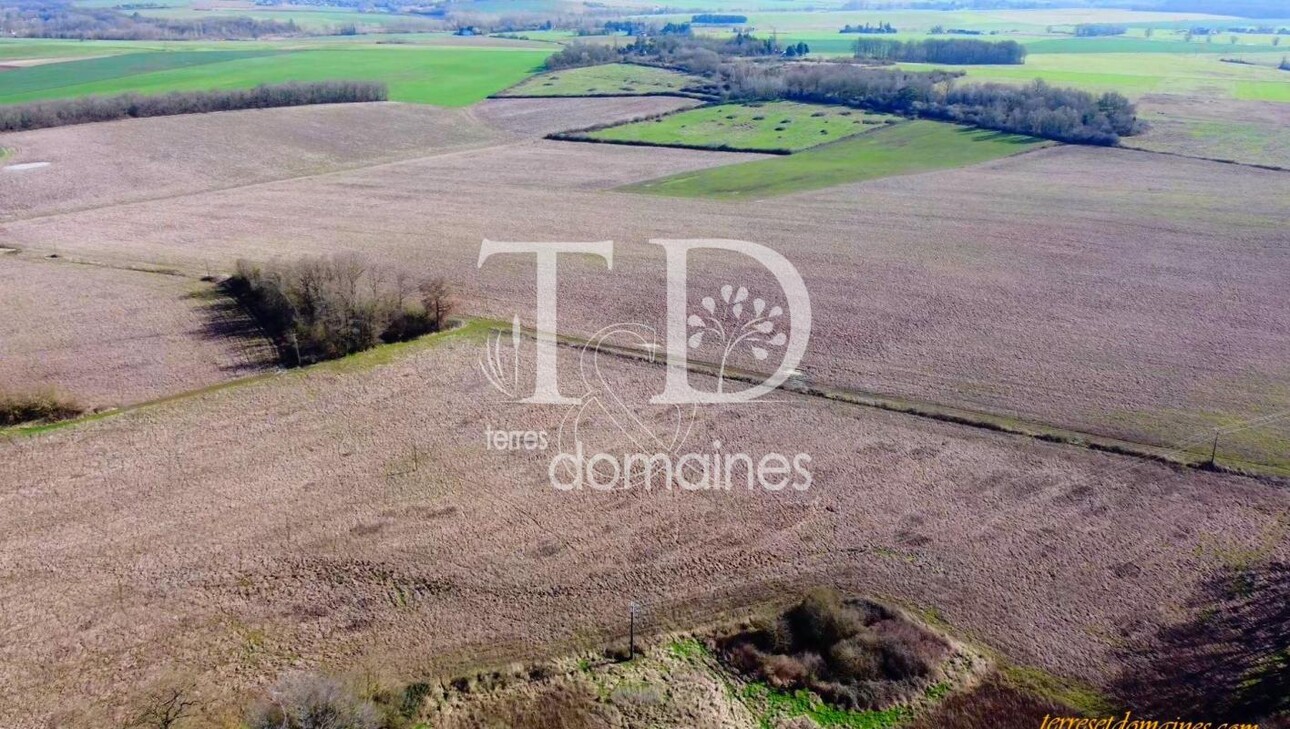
(165, 709)
(33, 407)
(853, 653)
(313, 701)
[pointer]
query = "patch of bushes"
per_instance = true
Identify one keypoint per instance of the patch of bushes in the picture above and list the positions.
(855, 654)
(582, 54)
(317, 309)
(35, 407)
(44, 114)
(315, 701)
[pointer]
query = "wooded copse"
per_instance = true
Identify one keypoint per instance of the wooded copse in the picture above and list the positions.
(63, 112)
(1037, 109)
(317, 309)
(958, 51)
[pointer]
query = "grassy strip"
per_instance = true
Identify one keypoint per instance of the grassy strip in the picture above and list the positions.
(22, 83)
(780, 127)
(773, 707)
(445, 76)
(613, 79)
(906, 148)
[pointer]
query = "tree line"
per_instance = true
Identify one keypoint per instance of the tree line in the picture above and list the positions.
(1093, 30)
(62, 112)
(867, 29)
(718, 19)
(59, 19)
(1036, 109)
(960, 51)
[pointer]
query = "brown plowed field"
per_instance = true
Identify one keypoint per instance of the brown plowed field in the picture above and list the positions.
(1118, 292)
(139, 159)
(107, 337)
(352, 516)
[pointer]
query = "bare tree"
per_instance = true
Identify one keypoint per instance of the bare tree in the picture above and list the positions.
(165, 709)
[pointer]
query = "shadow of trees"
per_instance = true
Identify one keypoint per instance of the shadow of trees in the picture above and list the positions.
(1228, 661)
(225, 320)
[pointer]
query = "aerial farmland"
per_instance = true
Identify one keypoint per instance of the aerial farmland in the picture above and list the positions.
(872, 385)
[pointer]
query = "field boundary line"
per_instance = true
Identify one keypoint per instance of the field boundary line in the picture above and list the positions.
(1219, 160)
(977, 419)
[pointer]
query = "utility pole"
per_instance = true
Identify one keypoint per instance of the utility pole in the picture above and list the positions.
(633, 609)
(1213, 451)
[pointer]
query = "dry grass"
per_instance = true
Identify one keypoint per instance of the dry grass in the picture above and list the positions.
(1117, 292)
(107, 337)
(319, 519)
(539, 117)
(1250, 132)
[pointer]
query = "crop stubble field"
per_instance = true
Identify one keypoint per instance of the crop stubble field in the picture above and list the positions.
(261, 553)
(1053, 286)
(108, 337)
(1113, 291)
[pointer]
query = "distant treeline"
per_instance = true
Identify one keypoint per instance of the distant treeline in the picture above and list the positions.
(935, 50)
(1037, 109)
(744, 68)
(1092, 30)
(717, 19)
(59, 19)
(696, 54)
(43, 114)
(867, 29)
(1239, 8)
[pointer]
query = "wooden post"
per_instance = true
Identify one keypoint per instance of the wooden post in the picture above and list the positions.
(632, 609)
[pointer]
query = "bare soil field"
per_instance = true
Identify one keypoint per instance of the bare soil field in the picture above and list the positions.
(1249, 132)
(108, 337)
(1116, 292)
(139, 159)
(540, 117)
(352, 516)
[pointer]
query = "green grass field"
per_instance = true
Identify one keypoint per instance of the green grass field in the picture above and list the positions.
(613, 78)
(419, 74)
(305, 17)
(780, 125)
(917, 146)
(1135, 74)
